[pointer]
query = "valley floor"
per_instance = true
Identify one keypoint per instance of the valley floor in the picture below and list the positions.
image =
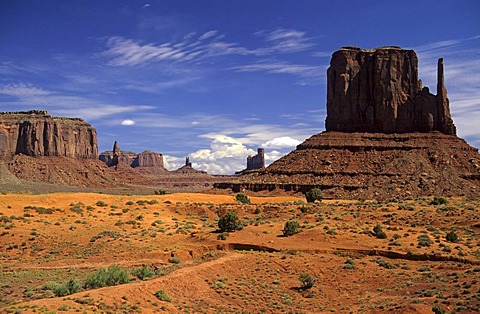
(51, 244)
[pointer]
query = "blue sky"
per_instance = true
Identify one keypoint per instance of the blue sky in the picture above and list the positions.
(214, 80)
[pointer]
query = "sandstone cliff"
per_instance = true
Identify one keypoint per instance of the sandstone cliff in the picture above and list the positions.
(387, 136)
(36, 133)
(379, 91)
(144, 159)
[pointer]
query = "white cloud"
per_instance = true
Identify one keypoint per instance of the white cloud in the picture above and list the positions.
(172, 162)
(308, 74)
(281, 142)
(22, 90)
(128, 122)
(208, 34)
(286, 40)
(65, 105)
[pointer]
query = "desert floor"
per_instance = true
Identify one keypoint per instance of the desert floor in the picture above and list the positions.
(48, 240)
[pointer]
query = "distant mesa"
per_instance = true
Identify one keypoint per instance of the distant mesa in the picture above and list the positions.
(145, 159)
(35, 133)
(188, 168)
(386, 136)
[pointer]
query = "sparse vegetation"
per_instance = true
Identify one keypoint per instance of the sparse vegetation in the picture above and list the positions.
(307, 281)
(111, 276)
(314, 195)
(229, 222)
(242, 198)
(452, 236)
(378, 232)
(143, 272)
(162, 296)
(174, 260)
(438, 200)
(291, 227)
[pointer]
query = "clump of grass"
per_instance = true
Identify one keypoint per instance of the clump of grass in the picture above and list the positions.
(101, 204)
(111, 276)
(162, 296)
(174, 260)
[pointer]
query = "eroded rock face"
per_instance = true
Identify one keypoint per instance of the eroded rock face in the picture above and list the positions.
(36, 133)
(379, 91)
(146, 158)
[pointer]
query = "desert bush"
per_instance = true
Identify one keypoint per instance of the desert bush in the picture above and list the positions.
(452, 236)
(229, 222)
(160, 192)
(111, 276)
(152, 202)
(291, 227)
(350, 264)
(129, 203)
(437, 310)
(60, 290)
(306, 281)
(222, 236)
(174, 260)
(101, 204)
(73, 286)
(438, 200)
(162, 296)
(242, 198)
(424, 240)
(378, 232)
(40, 210)
(143, 272)
(314, 195)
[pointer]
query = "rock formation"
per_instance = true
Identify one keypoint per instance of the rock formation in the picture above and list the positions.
(36, 133)
(257, 161)
(188, 168)
(379, 91)
(142, 160)
(386, 136)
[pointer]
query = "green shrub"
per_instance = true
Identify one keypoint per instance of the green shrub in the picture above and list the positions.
(222, 236)
(160, 192)
(229, 222)
(307, 281)
(101, 204)
(162, 296)
(378, 232)
(73, 286)
(242, 198)
(143, 272)
(291, 227)
(174, 260)
(438, 200)
(451, 236)
(114, 275)
(60, 290)
(424, 240)
(437, 310)
(314, 195)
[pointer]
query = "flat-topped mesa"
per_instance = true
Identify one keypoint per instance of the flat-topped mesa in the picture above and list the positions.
(379, 91)
(35, 133)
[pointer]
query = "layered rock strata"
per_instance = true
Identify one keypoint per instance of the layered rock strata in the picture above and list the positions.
(146, 158)
(373, 165)
(379, 91)
(386, 136)
(36, 133)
